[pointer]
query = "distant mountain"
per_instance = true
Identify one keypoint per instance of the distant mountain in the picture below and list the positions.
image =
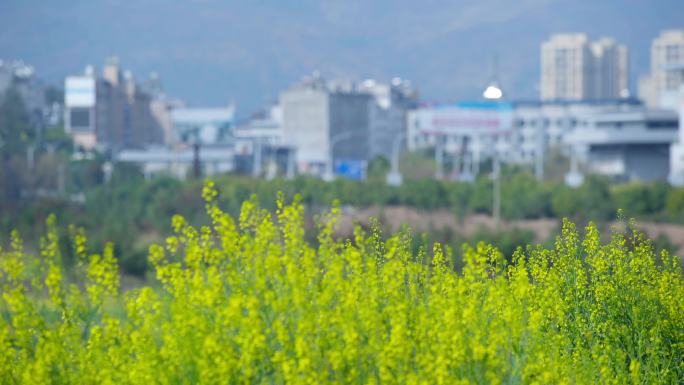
(214, 52)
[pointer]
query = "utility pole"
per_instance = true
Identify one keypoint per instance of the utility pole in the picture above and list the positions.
(196, 160)
(290, 163)
(459, 159)
(439, 158)
(496, 209)
(539, 158)
(574, 178)
(31, 164)
(476, 148)
(256, 168)
(61, 178)
(30, 157)
(394, 177)
(329, 175)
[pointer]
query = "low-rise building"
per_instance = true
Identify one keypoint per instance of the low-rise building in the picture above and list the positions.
(180, 162)
(260, 146)
(626, 145)
(343, 125)
(519, 132)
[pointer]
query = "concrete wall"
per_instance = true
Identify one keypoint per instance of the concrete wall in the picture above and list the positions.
(351, 113)
(306, 123)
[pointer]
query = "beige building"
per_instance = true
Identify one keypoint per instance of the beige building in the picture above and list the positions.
(109, 112)
(660, 88)
(573, 68)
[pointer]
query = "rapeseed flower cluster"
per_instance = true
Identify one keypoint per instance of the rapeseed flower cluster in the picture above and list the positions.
(250, 301)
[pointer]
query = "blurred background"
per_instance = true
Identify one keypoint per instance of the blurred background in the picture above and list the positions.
(467, 120)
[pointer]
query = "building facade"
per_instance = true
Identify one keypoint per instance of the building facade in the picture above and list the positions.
(573, 68)
(521, 132)
(111, 112)
(307, 124)
(610, 70)
(465, 133)
(627, 145)
(677, 149)
(661, 87)
(181, 162)
(202, 125)
(388, 114)
(343, 125)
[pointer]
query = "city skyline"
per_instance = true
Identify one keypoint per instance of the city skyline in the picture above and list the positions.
(218, 57)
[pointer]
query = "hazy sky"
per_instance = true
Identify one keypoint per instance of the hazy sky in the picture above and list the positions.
(213, 52)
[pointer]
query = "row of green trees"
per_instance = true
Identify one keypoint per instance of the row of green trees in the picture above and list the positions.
(522, 196)
(133, 212)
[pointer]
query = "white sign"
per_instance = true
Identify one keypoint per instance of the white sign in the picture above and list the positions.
(79, 91)
(465, 119)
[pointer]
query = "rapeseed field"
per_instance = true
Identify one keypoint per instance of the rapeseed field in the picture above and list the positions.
(249, 300)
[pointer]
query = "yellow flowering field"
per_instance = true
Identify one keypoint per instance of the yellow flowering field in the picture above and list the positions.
(249, 301)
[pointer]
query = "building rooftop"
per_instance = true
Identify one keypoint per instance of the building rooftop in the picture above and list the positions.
(564, 102)
(184, 155)
(203, 115)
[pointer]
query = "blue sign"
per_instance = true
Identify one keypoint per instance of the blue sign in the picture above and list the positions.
(351, 169)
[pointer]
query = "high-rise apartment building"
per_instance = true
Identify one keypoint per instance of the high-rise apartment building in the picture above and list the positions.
(660, 88)
(573, 68)
(565, 61)
(610, 70)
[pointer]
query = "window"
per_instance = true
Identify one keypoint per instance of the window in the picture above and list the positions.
(79, 119)
(662, 124)
(671, 53)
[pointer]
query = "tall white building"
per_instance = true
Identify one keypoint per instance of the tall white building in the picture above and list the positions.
(573, 68)
(660, 88)
(610, 70)
(565, 61)
(677, 149)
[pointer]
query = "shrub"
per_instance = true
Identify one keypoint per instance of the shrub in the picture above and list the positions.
(523, 196)
(592, 200)
(642, 199)
(675, 204)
